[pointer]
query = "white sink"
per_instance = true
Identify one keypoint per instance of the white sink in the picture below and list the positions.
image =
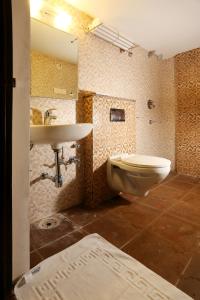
(58, 134)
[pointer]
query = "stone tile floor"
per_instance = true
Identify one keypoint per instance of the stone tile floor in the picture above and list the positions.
(162, 230)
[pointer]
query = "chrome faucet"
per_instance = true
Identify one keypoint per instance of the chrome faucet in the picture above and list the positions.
(48, 116)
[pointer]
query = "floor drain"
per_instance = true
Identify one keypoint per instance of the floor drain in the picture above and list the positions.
(49, 223)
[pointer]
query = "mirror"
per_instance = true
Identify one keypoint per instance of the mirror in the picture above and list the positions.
(54, 62)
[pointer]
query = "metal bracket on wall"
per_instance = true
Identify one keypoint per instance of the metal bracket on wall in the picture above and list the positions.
(112, 36)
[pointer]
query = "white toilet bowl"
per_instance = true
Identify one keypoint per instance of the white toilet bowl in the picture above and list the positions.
(136, 174)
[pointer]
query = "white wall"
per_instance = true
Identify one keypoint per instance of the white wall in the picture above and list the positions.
(21, 72)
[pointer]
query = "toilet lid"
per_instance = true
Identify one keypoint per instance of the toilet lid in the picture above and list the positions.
(146, 161)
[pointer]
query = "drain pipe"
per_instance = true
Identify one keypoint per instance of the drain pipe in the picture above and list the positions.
(58, 177)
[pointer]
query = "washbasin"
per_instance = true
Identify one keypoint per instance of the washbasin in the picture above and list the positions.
(58, 134)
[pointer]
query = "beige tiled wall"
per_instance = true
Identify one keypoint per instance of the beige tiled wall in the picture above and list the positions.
(187, 71)
(45, 198)
(49, 72)
(106, 139)
(157, 138)
(103, 70)
(167, 111)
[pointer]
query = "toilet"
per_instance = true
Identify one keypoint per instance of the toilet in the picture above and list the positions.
(136, 174)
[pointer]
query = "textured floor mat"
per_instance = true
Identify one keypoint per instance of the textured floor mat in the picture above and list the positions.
(94, 269)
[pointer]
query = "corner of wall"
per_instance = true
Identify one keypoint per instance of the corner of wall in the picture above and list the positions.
(20, 161)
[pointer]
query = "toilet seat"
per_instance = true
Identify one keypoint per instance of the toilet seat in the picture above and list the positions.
(136, 174)
(144, 161)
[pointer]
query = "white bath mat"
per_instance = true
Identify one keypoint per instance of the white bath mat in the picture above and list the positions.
(93, 269)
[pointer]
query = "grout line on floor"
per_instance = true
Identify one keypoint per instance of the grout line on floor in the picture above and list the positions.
(184, 270)
(36, 251)
(178, 201)
(151, 223)
(193, 188)
(170, 179)
(161, 213)
(51, 242)
(153, 207)
(69, 220)
(184, 220)
(142, 231)
(81, 226)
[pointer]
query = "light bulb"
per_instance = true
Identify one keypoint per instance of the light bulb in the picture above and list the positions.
(63, 20)
(35, 6)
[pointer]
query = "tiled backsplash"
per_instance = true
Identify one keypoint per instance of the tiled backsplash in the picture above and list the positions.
(137, 77)
(106, 71)
(49, 73)
(107, 138)
(45, 198)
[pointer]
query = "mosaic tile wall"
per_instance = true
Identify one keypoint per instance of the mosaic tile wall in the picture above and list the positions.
(84, 112)
(88, 182)
(107, 138)
(48, 73)
(45, 198)
(155, 139)
(187, 75)
(166, 116)
(104, 70)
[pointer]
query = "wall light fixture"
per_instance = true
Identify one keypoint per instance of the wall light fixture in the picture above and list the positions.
(62, 20)
(35, 7)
